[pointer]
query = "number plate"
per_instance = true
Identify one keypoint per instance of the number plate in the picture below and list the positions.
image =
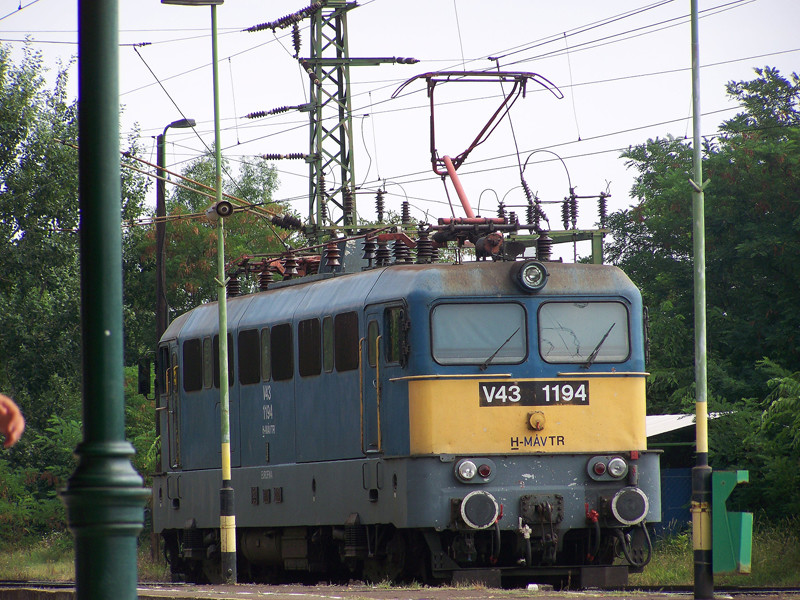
(534, 393)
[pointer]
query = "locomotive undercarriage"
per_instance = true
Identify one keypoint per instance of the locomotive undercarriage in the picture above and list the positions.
(443, 531)
(593, 556)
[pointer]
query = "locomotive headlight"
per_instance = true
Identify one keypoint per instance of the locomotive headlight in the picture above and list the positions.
(466, 470)
(530, 275)
(474, 471)
(617, 467)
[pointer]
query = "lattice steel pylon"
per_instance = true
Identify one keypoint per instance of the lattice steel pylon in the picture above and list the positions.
(330, 117)
(330, 112)
(331, 120)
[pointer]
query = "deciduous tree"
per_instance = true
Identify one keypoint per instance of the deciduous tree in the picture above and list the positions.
(752, 228)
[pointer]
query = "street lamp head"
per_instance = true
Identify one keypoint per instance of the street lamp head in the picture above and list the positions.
(193, 2)
(182, 124)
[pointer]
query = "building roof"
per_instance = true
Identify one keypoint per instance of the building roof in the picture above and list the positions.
(658, 424)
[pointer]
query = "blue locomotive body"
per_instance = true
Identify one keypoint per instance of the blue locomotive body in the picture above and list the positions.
(419, 421)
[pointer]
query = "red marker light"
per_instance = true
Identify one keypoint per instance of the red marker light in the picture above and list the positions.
(484, 471)
(599, 468)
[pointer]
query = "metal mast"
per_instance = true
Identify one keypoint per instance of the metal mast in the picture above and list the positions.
(332, 187)
(701, 473)
(331, 167)
(331, 121)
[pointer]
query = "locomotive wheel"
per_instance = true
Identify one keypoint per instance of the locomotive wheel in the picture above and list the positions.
(212, 571)
(391, 565)
(177, 568)
(418, 559)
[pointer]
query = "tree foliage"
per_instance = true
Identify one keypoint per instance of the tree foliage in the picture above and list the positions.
(192, 239)
(40, 280)
(39, 273)
(40, 284)
(752, 230)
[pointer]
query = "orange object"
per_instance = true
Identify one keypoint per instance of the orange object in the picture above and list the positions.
(12, 423)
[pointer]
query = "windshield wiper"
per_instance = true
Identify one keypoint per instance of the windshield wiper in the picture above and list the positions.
(485, 363)
(596, 350)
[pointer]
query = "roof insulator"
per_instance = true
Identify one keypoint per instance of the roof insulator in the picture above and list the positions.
(332, 255)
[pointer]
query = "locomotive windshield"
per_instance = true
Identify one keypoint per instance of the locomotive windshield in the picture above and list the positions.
(583, 332)
(477, 333)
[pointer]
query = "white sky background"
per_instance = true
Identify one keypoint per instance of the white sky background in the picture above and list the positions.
(624, 82)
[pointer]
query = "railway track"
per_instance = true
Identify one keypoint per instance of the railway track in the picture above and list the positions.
(37, 590)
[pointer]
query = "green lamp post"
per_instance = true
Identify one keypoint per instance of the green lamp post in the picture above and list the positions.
(226, 509)
(104, 497)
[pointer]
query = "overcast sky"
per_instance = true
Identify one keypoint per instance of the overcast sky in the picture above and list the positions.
(623, 67)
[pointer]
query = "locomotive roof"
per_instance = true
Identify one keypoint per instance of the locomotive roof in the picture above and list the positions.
(315, 295)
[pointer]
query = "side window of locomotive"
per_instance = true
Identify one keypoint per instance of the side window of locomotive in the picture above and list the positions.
(485, 333)
(249, 351)
(282, 352)
(162, 381)
(173, 378)
(266, 363)
(372, 343)
(216, 360)
(584, 332)
(327, 344)
(192, 365)
(345, 341)
(208, 363)
(395, 335)
(309, 347)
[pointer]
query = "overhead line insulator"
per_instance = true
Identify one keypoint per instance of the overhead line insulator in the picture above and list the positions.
(405, 213)
(291, 156)
(573, 208)
(348, 204)
(310, 72)
(296, 39)
(380, 205)
(288, 20)
(287, 222)
(259, 114)
(603, 208)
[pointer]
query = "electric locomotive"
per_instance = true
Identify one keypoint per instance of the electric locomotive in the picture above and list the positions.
(414, 421)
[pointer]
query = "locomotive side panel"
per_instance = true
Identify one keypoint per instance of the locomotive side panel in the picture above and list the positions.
(268, 405)
(330, 325)
(198, 389)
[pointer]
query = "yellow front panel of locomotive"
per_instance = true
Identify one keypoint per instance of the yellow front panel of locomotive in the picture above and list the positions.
(482, 416)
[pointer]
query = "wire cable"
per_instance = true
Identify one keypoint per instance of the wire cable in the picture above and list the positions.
(458, 30)
(572, 95)
(14, 12)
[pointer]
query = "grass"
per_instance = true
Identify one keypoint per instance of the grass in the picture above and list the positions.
(52, 559)
(672, 562)
(152, 567)
(46, 559)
